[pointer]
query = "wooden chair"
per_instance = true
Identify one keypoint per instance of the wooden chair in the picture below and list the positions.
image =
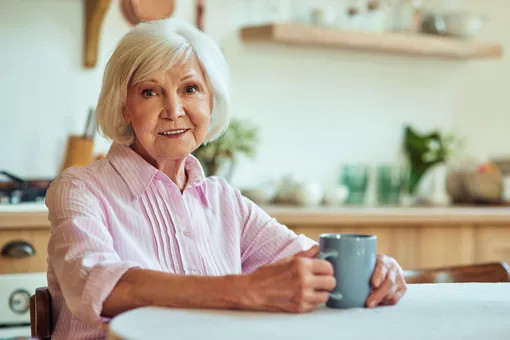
(41, 323)
(488, 272)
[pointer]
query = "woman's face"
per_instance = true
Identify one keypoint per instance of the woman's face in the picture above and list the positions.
(170, 112)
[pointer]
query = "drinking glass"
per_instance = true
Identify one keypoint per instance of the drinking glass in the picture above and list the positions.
(390, 183)
(355, 178)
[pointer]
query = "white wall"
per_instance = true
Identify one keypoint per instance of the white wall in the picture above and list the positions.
(317, 108)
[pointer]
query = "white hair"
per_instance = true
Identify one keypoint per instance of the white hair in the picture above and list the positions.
(156, 46)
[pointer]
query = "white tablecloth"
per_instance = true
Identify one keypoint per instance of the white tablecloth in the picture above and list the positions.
(429, 311)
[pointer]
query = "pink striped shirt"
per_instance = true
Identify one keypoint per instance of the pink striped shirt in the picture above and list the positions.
(121, 212)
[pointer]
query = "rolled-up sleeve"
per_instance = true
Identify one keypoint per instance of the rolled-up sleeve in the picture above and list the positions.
(81, 250)
(263, 239)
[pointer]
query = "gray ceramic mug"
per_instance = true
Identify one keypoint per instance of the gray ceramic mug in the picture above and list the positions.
(353, 257)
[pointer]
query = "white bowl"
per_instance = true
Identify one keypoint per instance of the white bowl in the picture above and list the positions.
(463, 25)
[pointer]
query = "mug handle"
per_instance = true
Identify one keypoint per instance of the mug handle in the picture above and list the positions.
(327, 254)
(324, 255)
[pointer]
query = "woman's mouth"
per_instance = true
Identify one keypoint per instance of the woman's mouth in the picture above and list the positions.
(177, 133)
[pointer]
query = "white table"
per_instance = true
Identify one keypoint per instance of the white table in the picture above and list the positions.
(429, 311)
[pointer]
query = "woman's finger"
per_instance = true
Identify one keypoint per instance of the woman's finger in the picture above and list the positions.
(380, 272)
(396, 298)
(317, 298)
(387, 287)
(321, 267)
(323, 282)
(402, 288)
(399, 287)
(391, 296)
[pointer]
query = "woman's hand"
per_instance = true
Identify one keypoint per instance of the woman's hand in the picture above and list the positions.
(388, 282)
(297, 284)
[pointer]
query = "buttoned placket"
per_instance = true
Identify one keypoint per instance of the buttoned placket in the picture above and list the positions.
(182, 223)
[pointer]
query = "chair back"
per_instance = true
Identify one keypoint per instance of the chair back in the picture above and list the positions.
(487, 272)
(41, 322)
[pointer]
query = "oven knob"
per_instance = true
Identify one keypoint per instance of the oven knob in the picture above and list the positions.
(19, 301)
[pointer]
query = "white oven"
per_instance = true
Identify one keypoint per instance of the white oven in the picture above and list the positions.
(15, 292)
(16, 288)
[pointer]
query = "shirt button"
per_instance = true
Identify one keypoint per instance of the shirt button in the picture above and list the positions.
(187, 233)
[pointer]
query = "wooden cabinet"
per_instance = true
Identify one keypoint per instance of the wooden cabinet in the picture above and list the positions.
(33, 231)
(418, 237)
(492, 243)
(444, 245)
(37, 239)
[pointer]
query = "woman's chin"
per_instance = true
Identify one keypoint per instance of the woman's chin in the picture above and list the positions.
(174, 151)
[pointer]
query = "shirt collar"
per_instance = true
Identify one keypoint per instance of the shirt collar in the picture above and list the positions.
(138, 174)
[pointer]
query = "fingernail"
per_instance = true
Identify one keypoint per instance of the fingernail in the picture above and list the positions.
(377, 282)
(371, 304)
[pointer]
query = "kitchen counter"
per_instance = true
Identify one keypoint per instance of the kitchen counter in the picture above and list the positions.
(418, 237)
(321, 216)
(34, 215)
(24, 215)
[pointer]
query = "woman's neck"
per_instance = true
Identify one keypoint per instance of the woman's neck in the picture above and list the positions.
(175, 169)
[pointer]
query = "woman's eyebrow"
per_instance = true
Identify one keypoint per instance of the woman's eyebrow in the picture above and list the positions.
(188, 76)
(150, 81)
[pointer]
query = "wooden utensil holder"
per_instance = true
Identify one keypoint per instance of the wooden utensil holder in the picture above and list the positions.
(79, 152)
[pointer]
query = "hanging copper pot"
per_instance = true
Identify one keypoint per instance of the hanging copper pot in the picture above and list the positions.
(135, 11)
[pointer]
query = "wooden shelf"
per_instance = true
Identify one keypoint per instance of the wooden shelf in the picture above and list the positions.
(396, 43)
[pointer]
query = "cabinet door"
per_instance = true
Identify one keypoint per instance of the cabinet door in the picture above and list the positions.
(37, 239)
(493, 244)
(440, 246)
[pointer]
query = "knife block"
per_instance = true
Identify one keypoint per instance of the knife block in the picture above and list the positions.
(79, 152)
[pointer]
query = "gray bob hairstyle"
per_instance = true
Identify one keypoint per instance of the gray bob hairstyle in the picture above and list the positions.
(155, 46)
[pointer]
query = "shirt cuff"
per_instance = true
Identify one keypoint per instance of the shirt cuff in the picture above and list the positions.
(299, 244)
(100, 283)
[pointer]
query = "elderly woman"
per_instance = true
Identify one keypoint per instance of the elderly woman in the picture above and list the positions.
(144, 226)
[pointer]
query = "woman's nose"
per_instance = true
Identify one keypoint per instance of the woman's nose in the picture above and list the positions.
(173, 108)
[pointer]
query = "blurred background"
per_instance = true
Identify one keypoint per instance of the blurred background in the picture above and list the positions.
(316, 107)
(385, 117)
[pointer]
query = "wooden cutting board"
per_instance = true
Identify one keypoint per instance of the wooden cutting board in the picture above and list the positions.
(135, 11)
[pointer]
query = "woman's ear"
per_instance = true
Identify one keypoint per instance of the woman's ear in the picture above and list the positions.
(125, 115)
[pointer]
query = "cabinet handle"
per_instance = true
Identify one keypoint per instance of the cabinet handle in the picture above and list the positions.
(18, 249)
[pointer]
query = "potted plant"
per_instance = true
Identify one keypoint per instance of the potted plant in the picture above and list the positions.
(239, 138)
(423, 152)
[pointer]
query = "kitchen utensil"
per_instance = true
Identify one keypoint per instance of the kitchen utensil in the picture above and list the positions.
(463, 25)
(78, 153)
(127, 11)
(135, 11)
(90, 127)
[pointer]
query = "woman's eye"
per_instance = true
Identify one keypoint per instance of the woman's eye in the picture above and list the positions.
(191, 89)
(149, 93)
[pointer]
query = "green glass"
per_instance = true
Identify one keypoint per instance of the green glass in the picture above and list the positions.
(390, 183)
(355, 178)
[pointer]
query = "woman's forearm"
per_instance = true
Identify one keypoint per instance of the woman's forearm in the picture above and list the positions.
(142, 287)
